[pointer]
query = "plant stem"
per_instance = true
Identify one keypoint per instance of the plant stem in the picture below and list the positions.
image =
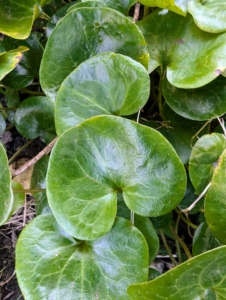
(9, 127)
(181, 242)
(136, 12)
(177, 243)
(29, 191)
(167, 247)
(46, 150)
(146, 11)
(159, 98)
(19, 151)
(33, 92)
(6, 108)
(184, 219)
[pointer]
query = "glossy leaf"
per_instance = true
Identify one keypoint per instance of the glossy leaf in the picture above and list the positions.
(215, 201)
(162, 221)
(192, 57)
(209, 15)
(105, 155)
(205, 103)
(180, 132)
(9, 60)
(35, 117)
(89, 31)
(6, 194)
(143, 224)
(201, 277)
(55, 18)
(17, 17)
(204, 240)
(2, 124)
(38, 181)
(104, 84)
(177, 6)
(87, 3)
(204, 159)
(28, 68)
(56, 266)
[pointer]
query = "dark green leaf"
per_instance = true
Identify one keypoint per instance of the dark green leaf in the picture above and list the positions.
(153, 273)
(19, 198)
(204, 240)
(54, 266)
(28, 68)
(209, 15)
(204, 159)
(201, 277)
(192, 57)
(205, 103)
(89, 31)
(121, 5)
(6, 194)
(162, 221)
(104, 84)
(35, 117)
(215, 201)
(87, 3)
(106, 155)
(38, 181)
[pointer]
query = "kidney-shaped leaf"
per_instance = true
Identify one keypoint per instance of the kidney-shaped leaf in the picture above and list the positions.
(6, 194)
(201, 277)
(87, 3)
(105, 155)
(205, 103)
(193, 57)
(34, 117)
(9, 60)
(177, 6)
(89, 31)
(215, 201)
(104, 84)
(209, 15)
(204, 159)
(57, 267)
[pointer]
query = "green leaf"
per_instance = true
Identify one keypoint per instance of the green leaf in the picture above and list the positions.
(192, 57)
(201, 277)
(177, 6)
(17, 17)
(55, 266)
(162, 221)
(204, 240)
(35, 117)
(153, 273)
(6, 194)
(205, 103)
(143, 224)
(89, 31)
(2, 124)
(215, 203)
(87, 3)
(38, 181)
(28, 68)
(204, 158)
(9, 60)
(180, 132)
(55, 18)
(121, 5)
(19, 198)
(106, 155)
(104, 84)
(209, 15)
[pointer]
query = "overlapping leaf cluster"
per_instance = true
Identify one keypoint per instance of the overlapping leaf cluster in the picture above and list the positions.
(112, 183)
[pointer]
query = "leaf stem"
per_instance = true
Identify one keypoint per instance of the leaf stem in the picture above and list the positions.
(29, 191)
(177, 243)
(167, 247)
(181, 242)
(19, 151)
(146, 11)
(184, 219)
(27, 91)
(159, 98)
(136, 12)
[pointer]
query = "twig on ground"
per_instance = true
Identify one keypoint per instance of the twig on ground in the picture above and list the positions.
(136, 12)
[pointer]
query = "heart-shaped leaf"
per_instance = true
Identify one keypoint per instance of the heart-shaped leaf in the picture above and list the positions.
(17, 17)
(204, 159)
(106, 155)
(55, 266)
(177, 6)
(87, 3)
(192, 57)
(35, 117)
(204, 240)
(215, 203)
(6, 194)
(28, 68)
(205, 103)
(209, 15)
(89, 31)
(104, 84)
(201, 277)
(38, 181)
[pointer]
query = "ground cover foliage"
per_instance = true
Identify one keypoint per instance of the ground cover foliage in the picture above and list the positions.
(130, 100)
